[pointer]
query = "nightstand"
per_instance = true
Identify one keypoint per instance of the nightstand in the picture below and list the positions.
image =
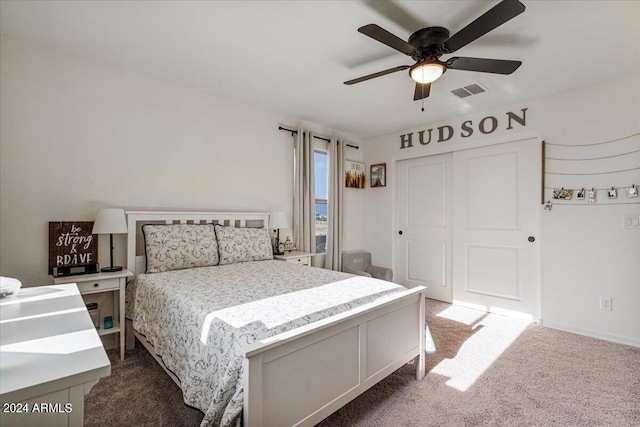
(105, 282)
(295, 257)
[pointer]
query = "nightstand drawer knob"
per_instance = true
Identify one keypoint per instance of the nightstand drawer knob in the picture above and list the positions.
(95, 285)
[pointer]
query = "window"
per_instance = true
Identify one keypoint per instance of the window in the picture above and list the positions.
(321, 183)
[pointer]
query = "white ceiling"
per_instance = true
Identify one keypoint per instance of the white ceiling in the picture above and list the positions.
(291, 57)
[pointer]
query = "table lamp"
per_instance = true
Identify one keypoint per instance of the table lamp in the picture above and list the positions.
(110, 221)
(278, 220)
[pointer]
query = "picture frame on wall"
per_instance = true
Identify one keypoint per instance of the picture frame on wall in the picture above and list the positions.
(378, 175)
(355, 175)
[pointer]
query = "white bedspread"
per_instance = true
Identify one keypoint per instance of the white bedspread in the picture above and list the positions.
(200, 320)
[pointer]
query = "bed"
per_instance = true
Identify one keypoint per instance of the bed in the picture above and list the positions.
(259, 341)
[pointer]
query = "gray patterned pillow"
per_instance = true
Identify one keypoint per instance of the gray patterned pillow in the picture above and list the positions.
(243, 244)
(178, 246)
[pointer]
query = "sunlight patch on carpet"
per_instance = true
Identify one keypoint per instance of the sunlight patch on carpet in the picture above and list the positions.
(461, 314)
(493, 335)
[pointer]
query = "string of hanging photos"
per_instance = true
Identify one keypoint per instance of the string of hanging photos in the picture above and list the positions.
(590, 193)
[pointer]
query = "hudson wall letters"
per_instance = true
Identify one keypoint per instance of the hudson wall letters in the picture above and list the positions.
(444, 133)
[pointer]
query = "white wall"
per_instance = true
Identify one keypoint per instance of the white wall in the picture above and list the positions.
(77, 136)
(586, 253)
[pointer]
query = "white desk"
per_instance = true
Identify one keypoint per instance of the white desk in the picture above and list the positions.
(50, 357)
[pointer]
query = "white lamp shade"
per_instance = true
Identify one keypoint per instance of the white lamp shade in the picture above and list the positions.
(426, 72)
(278, 220)
(110, 221)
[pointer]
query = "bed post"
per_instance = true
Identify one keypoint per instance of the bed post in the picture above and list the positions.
(252, 383)
(131, 243)
(420, 368)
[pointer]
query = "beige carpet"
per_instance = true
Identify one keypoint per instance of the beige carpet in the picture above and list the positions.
(488, 370)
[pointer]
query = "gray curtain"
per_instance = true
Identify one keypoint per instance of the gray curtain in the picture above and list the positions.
(333, 258)
(304, 193)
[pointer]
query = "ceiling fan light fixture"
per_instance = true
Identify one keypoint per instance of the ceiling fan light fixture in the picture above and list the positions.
(426, 72)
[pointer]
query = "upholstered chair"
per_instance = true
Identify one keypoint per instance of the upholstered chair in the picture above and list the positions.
(360, 263)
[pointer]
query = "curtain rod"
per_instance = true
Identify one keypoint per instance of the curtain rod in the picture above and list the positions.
(317, 137)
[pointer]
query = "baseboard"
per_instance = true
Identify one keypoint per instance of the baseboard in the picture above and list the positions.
(633, 342)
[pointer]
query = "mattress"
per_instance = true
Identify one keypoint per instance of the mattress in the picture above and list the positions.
(201, 320)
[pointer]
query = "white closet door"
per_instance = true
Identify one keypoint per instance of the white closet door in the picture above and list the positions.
(425, 224)
(496, 227)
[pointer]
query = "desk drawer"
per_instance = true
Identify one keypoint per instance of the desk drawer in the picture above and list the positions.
(98, 285)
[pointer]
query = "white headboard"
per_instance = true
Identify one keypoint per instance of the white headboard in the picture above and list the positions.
(135, 219)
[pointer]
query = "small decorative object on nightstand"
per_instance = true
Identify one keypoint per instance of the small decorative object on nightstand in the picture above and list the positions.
(105, 282)
(110, 221)
(295, 257)
(94, 313)
(288, 245)
(108, 322)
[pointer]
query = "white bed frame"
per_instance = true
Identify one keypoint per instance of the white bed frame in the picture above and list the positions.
(302, 376)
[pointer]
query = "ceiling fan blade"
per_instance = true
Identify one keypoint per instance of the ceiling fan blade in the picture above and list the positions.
(396, 13)
(422, 91)
(496, 16)
(483, 65)
(383, 36)
(378, 74)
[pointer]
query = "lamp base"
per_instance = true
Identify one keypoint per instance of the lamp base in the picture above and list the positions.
(110, 269)
(276, 246)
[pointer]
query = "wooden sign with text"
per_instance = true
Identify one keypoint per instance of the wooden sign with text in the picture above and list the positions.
(71, 243)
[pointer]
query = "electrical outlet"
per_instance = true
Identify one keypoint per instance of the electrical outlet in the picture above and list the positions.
(631, 221)
(606, 303)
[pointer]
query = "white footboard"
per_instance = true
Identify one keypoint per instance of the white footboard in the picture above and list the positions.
(302, 376)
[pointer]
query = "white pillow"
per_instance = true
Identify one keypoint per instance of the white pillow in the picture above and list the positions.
(178, 246)
(243, 244)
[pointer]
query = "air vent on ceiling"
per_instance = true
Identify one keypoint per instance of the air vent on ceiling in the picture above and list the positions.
(472, 89)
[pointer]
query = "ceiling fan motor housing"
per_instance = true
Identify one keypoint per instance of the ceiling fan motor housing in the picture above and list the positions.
(428, 42)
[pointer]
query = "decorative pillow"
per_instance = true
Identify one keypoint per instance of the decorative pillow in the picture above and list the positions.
(243, 244)
(178, 246)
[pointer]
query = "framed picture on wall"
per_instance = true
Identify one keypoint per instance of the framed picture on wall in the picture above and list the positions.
(379, 175)
(355, 174)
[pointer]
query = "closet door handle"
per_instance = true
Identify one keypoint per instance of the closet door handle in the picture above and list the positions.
(400, 232)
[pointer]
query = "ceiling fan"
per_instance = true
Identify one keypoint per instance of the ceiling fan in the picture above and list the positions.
(427, 45)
